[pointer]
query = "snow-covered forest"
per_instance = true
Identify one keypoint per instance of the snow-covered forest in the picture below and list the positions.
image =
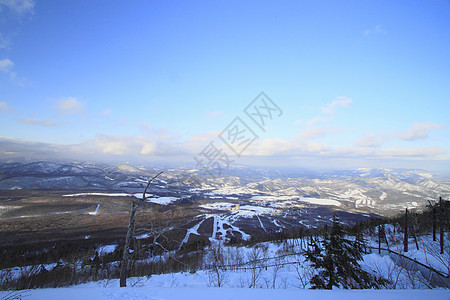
(370, 255)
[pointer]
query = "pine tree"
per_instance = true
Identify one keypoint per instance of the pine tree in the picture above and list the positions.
(336, 259)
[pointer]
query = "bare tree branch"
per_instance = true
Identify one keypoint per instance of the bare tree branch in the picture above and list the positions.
(126, 248)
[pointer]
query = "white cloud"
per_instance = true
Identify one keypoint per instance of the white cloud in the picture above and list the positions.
(377, 29)
(134, 146)
(313, 133)
(115, 145)
(298, 122)
(380, 154)
(338, 102)
(419, 131)
(4, 107)
(131, 148)
(197, 143)
(370, 140)
(146, 128)
(284, 148)
(318, 119)
(204, 137)
(69, 106)
(148, 148)
(106, 112)
(40, 122)
(161, 134)
(418, 153)
(6, 65)
(329, 110)
(268, 147)
(4, 42)
(19, 6)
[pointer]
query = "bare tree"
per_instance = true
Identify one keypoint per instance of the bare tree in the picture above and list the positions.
(255, 256)
(442, 259)
(276, 270)
(304, 271)
(390, 271)
(217, 275)
(131, 224)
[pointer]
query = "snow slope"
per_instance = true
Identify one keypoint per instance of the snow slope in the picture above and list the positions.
(98, 293)
(200, 285)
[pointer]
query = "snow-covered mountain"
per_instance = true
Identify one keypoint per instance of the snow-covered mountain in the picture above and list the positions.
(381, 191)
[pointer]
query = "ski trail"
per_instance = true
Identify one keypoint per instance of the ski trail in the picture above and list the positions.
(95, 212)
(245, 236)
(190, 231)
(262, 226)
(214, 233)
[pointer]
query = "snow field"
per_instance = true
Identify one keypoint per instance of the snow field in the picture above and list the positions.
(277, 269)
(208, 293)
(160, 200)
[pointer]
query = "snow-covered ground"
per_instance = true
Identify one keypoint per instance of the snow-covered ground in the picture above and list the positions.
(246, 211)
(163, 200)
(281, 273)
(98, 194)
(159, 200)
(94, 291)
(106, 249)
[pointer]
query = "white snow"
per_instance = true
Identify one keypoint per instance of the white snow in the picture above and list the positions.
(320, 201)
(98, 292)
(99, 194)
(160, 200)
(274, 198)
(253, 210)
(190, 231)
(218, 227)
(96, 209)
(217, 205)
(358, 197)
(106, 249)
(282, 201)
(163, 200)
(200, 285)
(245, 211)
(143, 236)
(261, 224)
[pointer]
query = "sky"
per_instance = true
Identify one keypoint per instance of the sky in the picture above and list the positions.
(346, 84)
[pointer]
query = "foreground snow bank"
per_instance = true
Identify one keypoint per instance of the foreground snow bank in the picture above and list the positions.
(209, 293)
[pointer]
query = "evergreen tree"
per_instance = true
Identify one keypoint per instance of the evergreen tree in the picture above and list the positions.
(337, 258)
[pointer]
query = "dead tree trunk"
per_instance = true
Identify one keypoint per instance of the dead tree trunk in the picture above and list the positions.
(379, 239)
(415, 238)
(434, 224)
(385, 237)
(442, 219)
(131, 223)
(405, 241)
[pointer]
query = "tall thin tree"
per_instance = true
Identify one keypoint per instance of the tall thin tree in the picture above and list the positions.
(135, 204)
(405, 239)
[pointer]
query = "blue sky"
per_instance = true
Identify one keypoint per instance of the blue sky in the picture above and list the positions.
(360, 83)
